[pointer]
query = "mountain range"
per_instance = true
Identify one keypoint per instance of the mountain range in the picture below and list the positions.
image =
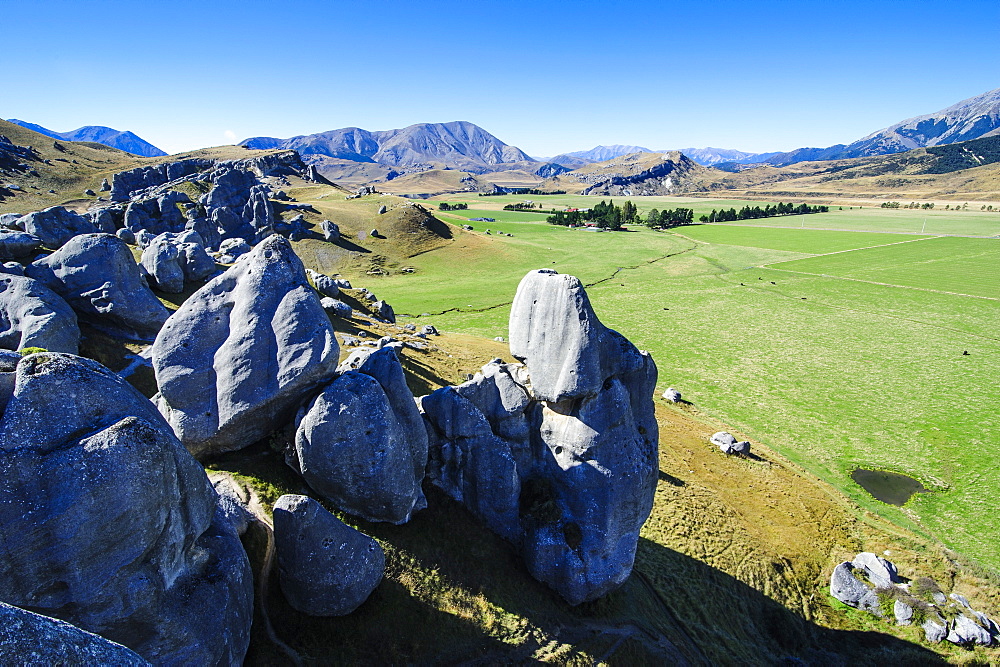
(98, 134)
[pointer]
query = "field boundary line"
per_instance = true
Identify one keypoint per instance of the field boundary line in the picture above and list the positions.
(859, 231)
(867, 247)
(875, 282)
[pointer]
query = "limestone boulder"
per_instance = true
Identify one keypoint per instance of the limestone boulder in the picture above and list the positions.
(324, 284)
(110, 524)
(325, 567)
(335, 307)
(56, 225)
(27, 638)
(330, 230)
(558, 336)
(259, 213)
(384, 311)
(32, 315)
(172, 261)
(17, 245)
(236, 359)
(232, 249)
(880, 572)
(362, 443)
(672, 395)
(98, 276)
(850, 590)
(965, 631)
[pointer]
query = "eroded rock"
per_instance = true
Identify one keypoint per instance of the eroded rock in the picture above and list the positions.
(32, 315)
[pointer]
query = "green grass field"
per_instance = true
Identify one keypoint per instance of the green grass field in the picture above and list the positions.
(935, 221)
(832, 373)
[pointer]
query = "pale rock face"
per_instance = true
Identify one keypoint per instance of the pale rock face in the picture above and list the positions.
(110, 524)
(172, 260)
(56, 225)
(97, 275)
(233, 362)
(558, 455)
(32, 315)
(325, 567)
(362, 443)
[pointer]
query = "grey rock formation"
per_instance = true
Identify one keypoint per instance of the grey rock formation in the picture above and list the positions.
(335, 308)
(566, 359)
(935, 629)
(384, 311)
(124, 183)
(233, 503)
(105, 186)
(342, 283)
(672, 395)
(903, 612)
(56, 225)
(325, 567)
(128, 543)
(260, 213)
(879, 571)
(850, 590)
(966, 631)
(97, 275)
(724, 441)
(231, 225)
(323, 283)
(32, 315)
(429, 330)
(103, 220)
(362, 443)
(742, 448)
(231, 188)
(126, 235)
(11, 221)
(27, 638)
(331, 232)
(174, 260)
(12, 268)
(232, 249)
(16, 245)
(570, 481)
(382, 209)
(233, 362)
(209, 232)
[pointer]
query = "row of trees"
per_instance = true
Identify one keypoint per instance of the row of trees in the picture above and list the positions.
(521, 191)
(912, 204)
(604, 215)
(748, 213)
(521, 206)
(670, 218)
(445, 206)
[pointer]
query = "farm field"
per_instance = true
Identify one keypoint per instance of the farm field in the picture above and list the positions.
(934, 221)
(832, 373)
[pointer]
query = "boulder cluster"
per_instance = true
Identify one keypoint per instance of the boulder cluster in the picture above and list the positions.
(873, 584)
(110, 521)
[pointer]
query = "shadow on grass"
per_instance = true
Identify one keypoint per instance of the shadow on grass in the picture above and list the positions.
(454, 592)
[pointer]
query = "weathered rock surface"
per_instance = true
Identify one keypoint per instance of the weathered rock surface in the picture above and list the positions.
(964, 630)
(110, 524)
(903, 612)
(32, 315)
(323, 283)
(232, 249)
(384, 311)
(56, 225)
(672, 395)
(174, 260)
(325, 567)
(97, 275)
(559, 455)
(570, 353)
(879, 571)
(850, 590)
(233, 362)
(362, 443)
(27, 638)
(15, 245)
(336, 308)
(330, 230)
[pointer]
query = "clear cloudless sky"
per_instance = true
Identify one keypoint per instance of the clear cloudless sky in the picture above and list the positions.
(548, 77)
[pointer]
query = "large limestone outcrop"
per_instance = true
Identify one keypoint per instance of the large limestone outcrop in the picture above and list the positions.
(97, 275)
(362, 443)
(56, 225)
(234, 361)
(558, 455)
(27, 638)
(32, 315)
(325, 567)
(173, 260)
(110, 524)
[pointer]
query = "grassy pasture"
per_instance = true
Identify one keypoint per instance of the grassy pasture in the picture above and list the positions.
(949, 264)
(934, 221)
(832, 373)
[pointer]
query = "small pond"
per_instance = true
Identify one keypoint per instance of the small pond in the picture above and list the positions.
(889, 487)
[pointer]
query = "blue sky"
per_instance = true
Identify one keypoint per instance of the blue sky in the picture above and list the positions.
(548, 77)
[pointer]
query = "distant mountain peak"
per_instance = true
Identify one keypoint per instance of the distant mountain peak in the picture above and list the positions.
(99, 134)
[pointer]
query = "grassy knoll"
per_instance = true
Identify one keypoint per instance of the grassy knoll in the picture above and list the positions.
(832, 373)
(950, 264)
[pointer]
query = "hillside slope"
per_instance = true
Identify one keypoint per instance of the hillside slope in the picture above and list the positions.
(635, 174)
(122, 140)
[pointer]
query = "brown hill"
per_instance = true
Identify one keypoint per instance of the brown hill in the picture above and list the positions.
(635, 174)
